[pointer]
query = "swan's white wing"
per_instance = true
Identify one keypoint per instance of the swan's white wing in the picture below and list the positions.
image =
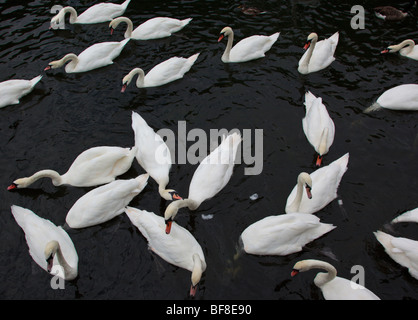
(343, 289)
(100, 12)
(253, 47)
(12, 90)
(159, 27)
(408, 216)
(403, 97)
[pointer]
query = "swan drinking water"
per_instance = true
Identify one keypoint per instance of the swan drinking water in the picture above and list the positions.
(406, 48)
(12, 90)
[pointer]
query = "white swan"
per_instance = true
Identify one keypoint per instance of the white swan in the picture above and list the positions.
(104, 203)
(403, 251)
(153, 155)
(163, 73)
(155, 28)
(49, 246)
(406, 48)
(318, 126)
(95, 166)
(323, 185)
(210, 177)
(319, 54)
(179, 248)
(12, 90)
(95, 56)
(333, 287)
(408, 216)
(283, 234)
(403, 97)
(247, 49)
(101, 12)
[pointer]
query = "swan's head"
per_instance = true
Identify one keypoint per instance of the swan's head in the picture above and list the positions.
(196, 274)
(51, 249)
(309, 40)
(170, 194)
(128, 78)
(169, 214)
(19, 184)
(306, 180)
(225, 32)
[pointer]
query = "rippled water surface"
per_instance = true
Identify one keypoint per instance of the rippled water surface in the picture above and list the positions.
(69, 113)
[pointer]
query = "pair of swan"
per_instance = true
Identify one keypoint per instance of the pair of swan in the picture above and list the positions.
(406, 48)
(101, 12)
(318, 126)
(210, 177)
(403, 251)
(403, 97)
(319, 54)
(179, 247)
(95, 166)
(333, 287)
(12, 90)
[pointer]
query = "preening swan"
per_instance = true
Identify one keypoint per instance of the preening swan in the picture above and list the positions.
(408, 216)
(247, 49)
(403, 251)
(101, 12)
(153, 155)
(319, 54)
(283, 234)
(163, 73)
(155, 28)
(390, 13)
(12, 90)
(406, 48)
(93, 167)
(96, 56)
(322, 186)
(318, 126)
(333, 287)
(403, 97)
(49, 246)
(104, 203)
(179, 248)
(210, 177)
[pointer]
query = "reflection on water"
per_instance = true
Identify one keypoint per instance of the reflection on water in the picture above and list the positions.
(69, 113)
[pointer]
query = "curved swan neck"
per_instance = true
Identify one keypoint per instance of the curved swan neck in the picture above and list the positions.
(323, 143)
(72, 11)
(69, 271)
(139, 81)
(53, 175)
(196, 273)
(130, 25)
(406, 46)
(309, 54)
(225, 56)
(302, 179)
(173, 207)
(321, 278)
(68, 57)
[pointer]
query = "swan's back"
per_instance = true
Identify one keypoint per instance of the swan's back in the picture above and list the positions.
(408, 216)
(177, 247)
(102, 12)
(402, 97)
(159, 27)
(252, 47)
(343, 289)
(12, 90)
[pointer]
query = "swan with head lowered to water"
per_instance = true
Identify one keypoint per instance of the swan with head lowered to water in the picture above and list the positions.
(406, 48)
(12, 90)
(210, 177)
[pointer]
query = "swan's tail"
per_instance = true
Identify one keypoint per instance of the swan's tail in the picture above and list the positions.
(192, 59)
(35, 80)
(186, 21)
(126, 3)
(374, 107)
(275, 36)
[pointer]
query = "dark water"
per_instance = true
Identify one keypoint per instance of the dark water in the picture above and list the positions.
(69, 113)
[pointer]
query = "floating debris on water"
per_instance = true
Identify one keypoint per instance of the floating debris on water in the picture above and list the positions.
(254, 196)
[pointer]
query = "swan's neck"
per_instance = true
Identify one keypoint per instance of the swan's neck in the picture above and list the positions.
(68, 57)
(294, 206)
(141, 77)
(225, 56)
(55, 177)
(305, 63)
(69, 271)
(174, 207)
(73, 13)
(405, 47)
(322, 277)
(130, 25)
(322, 148)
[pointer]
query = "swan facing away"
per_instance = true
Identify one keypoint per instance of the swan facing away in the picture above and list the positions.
(403, 251)
(179, 248)
(333, 287)
(318, 126)
(153, 155)
(408, 216)
(163, 73)
(105, 202)
(101, 12)
(96, 56)
(155, 28)
(406, 48)
(12, 90)
(403, 97)
(49, 246)
(210, 177)
(319, 54)
(95, 166)
(283, 234)
(247, 49)
(321, 186)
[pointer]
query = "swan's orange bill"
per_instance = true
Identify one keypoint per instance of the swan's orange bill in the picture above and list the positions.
(220, 37)
(168, 226)
(318, 161)
(307, 44)
(193, 290)
(294, 272)
(47, 68)
(111, 31)
(385, 51)
(12, 187)
(123, 88)
(308, 192)
(177, 197)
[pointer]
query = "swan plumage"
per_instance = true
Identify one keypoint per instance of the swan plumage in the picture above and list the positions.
(105, 202)
(210, 177)
(161, 74)
(155, 28)
(98, 13)
(283, 234)
(390, 13)
(403, 97)
(318, 54)
(12, 90)
(333, 287)
(96, 56)
(403, 251)
(49, 246)
(406, 48)
(250, 48)
(153, 155)
(179, 247)
(93, 167)
(318, 126)
(407, 216)
(323, 187)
